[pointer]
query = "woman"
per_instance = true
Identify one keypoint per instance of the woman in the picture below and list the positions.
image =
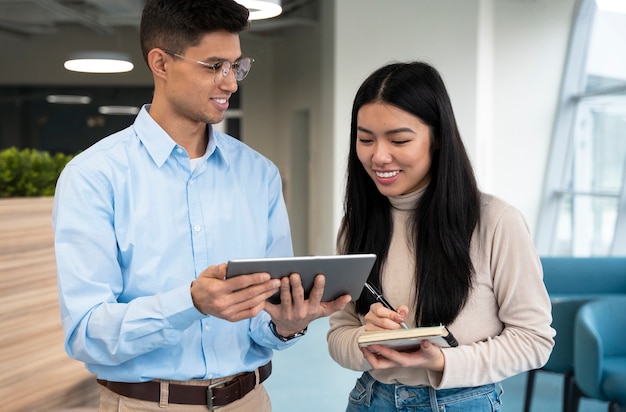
(447, 254)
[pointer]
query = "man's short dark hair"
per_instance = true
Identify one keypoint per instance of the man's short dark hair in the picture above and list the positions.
(175, 25)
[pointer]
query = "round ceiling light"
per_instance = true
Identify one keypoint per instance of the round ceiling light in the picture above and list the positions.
(99, 62)
(262, 9)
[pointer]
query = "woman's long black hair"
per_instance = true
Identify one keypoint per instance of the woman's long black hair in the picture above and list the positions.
(446, 215)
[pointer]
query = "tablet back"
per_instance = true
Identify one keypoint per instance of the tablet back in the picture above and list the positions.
(345, 274)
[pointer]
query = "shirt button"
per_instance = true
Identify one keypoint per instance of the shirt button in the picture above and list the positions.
(179, 150)
(197, 228)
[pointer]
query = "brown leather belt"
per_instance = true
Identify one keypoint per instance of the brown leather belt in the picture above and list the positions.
(213, 396)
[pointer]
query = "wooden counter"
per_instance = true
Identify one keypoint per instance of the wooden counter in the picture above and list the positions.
(35, 372)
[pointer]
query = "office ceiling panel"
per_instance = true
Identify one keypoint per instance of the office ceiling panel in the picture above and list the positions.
(37, 17)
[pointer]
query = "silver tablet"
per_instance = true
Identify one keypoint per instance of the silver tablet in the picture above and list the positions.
(345, 274)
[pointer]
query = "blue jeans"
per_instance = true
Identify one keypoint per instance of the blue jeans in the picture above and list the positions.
(372, 395)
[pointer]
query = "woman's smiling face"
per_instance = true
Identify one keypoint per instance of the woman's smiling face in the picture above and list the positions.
(394, 148)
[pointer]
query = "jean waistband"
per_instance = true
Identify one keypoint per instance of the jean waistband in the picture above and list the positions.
(422, 394)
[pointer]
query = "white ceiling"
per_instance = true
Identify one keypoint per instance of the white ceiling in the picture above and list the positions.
(49, 17)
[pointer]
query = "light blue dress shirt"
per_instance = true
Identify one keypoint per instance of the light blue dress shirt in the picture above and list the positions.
(134, 226)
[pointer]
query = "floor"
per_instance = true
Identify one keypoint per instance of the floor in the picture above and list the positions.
(305, 376)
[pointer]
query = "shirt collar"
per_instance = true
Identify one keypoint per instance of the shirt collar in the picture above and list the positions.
(156, 141)
(160, 145)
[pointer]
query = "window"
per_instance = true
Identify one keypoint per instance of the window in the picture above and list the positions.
(29, 119)
(584, 202)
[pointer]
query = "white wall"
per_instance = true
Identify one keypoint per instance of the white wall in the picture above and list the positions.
(531, 40)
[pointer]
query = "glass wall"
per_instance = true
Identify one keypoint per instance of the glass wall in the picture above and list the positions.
(583, 211)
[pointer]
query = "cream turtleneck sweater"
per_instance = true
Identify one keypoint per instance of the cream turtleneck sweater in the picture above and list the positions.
(503, 329)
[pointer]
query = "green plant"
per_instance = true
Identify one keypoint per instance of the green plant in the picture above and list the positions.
(29, 172)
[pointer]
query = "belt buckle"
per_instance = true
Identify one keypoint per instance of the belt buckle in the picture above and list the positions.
(209, 395)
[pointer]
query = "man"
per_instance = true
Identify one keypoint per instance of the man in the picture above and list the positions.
(145, 219)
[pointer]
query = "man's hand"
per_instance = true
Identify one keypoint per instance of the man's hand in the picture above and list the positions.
(234, 299)
(294, 313)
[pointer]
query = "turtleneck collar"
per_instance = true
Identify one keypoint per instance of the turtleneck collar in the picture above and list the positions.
(408, 201)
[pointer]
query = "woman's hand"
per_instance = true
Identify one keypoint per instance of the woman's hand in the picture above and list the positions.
(381, 318)
(428, 356)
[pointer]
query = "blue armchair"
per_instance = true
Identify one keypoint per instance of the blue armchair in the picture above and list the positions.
(572, 282)
(600, 351)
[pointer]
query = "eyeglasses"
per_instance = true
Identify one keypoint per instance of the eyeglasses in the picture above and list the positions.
(240, 68)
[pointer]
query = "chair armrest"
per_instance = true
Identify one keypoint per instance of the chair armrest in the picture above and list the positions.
(564, 310)
(588, 353)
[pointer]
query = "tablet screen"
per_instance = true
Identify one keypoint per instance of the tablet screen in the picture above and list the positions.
(345, 274)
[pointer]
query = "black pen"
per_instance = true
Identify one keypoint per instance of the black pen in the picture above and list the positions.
(379, 297)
